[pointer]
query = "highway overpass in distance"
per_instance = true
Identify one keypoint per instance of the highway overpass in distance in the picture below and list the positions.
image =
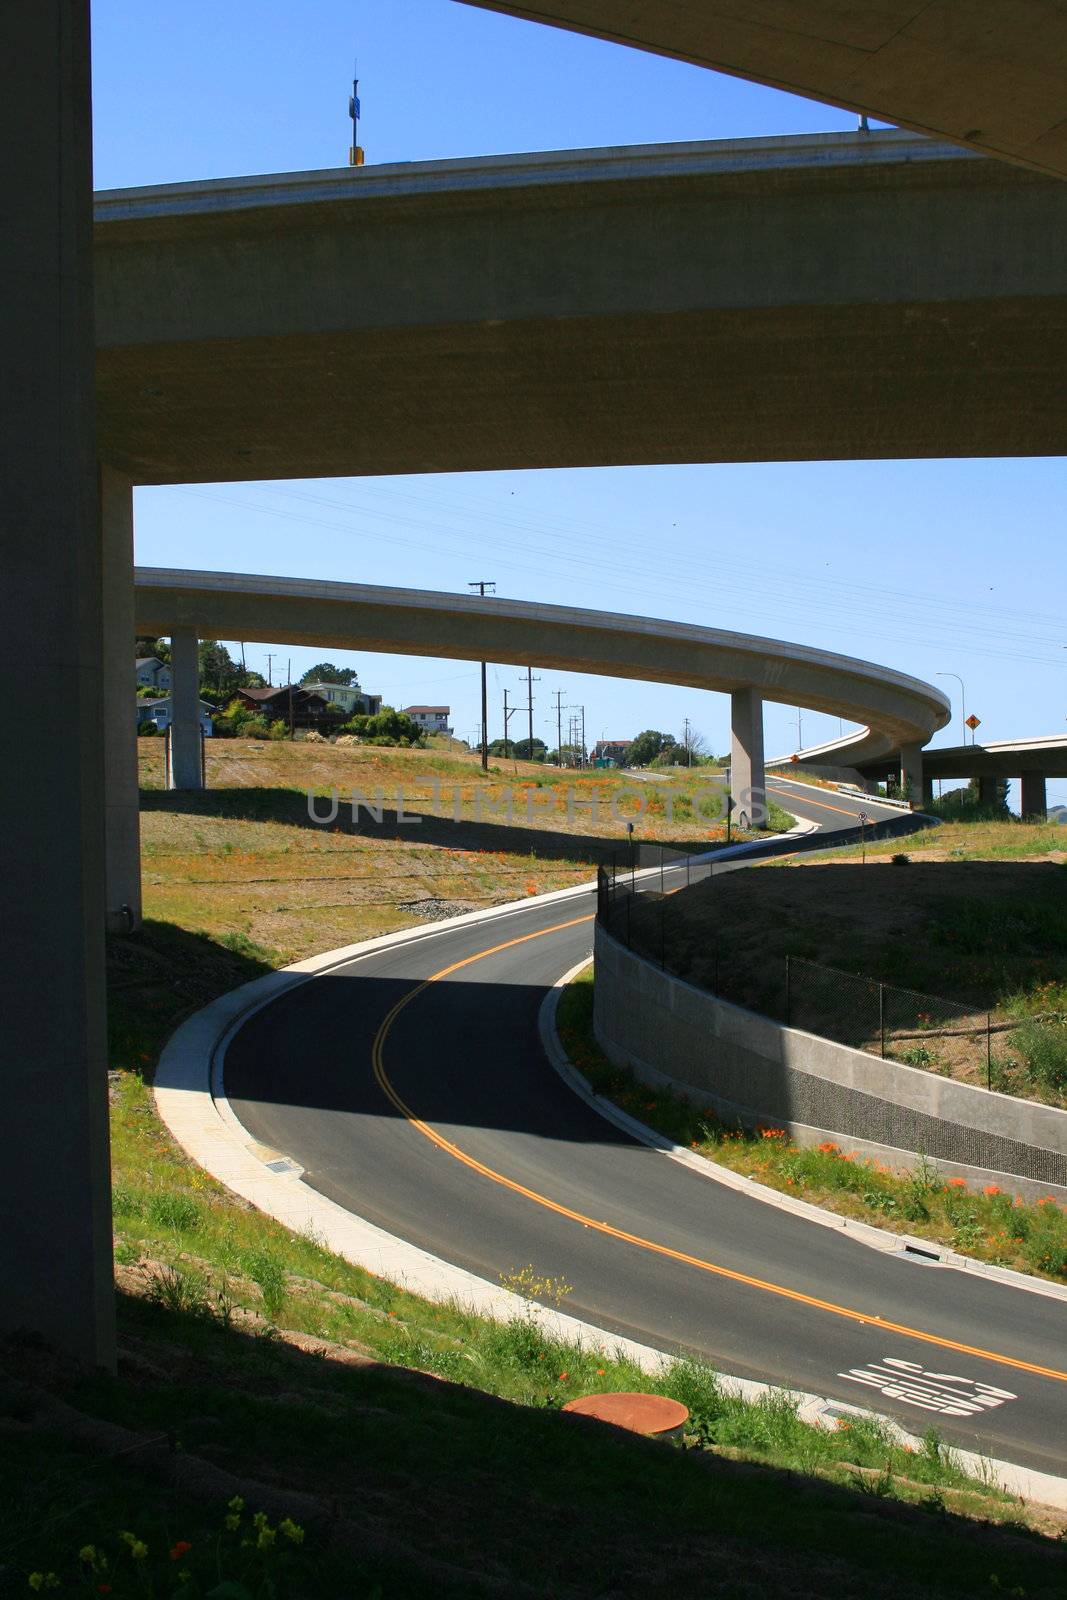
(809, 297)
(985, 73)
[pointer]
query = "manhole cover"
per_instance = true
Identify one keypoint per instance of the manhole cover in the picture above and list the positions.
(650, 1414)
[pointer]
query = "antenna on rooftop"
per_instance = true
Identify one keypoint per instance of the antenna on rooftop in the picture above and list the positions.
(356, 156)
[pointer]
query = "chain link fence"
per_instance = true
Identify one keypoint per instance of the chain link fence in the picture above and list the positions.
(927, 1031)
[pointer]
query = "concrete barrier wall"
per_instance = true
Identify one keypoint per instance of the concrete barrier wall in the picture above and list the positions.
(745, 1066)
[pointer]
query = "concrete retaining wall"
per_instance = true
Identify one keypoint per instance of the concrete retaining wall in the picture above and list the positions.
(746, 1066)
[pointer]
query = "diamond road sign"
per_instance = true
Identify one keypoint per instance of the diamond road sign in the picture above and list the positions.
(974, 722)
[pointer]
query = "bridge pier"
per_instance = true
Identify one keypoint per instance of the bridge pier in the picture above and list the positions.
(55, 1241)
(121, 789)
(1034, 800)
(987, 791)
(186, 753)
(911, 772)
(748, 780)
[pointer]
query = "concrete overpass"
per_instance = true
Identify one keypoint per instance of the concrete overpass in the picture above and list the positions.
(1032, 761)
(900, 713)
(819, 296)
(930, 342)
(985, 73)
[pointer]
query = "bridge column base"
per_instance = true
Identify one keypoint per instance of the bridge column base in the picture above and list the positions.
(748, 780)
(911, 773)
(121, 793)
(1034, 799)
(186, 744)
(987, 792)
(55, 1238)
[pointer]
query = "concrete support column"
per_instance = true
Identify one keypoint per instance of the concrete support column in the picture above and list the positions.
(1034, 801)
(911, 772)
(186, 770)
(928, 793)
(987, 791)
(122, 810)
(748, 782)
(55, 1236)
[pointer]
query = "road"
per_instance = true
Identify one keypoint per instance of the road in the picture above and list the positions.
(429, 1108)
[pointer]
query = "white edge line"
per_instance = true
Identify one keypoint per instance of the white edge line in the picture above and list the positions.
(885, 1240)
(1043, 1487)
(211, 1135)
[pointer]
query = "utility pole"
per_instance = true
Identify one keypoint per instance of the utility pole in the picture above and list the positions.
(483, 585)
(530, 681)
(581, 748)
(800, 734)
(509, 712)
(270, 657)
(688, 751)
(559, 727)
(289, 681)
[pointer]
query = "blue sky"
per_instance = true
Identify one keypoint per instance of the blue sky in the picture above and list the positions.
(933, 566)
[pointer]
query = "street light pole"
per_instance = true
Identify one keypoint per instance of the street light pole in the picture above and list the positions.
(963, 700)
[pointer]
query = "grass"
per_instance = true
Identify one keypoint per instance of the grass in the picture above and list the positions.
(419, 1449)
(987, 1224)
(243, 861)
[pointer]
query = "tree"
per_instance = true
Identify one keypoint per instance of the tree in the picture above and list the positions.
(646, 747)
(220, 674)
(143, 648)
(524, 751)
(326, 672)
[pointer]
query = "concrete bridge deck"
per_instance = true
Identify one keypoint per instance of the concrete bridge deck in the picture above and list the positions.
(988, 73)
(812, 297)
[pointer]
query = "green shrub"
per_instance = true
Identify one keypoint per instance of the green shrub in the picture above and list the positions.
(1043, 1047)
(267, 1271)
(172, 1209)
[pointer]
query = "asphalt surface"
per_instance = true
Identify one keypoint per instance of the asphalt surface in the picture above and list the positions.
(653, 1250)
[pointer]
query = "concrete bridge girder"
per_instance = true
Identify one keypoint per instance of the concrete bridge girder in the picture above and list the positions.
(924, 64)
(815, 297)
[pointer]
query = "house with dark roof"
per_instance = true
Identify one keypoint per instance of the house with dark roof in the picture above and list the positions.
(275, 703)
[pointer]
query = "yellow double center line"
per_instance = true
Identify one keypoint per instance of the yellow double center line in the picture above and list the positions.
(653, 1245)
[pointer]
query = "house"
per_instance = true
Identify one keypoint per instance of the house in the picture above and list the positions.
(153, 674)
(610, 752)
(346, 698)
(275, 704)
(159, 712)
(431, 719)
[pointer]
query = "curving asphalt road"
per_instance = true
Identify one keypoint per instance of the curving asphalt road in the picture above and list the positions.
(429, 1108)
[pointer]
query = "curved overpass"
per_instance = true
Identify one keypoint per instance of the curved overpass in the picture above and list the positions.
(988, 73)
(898, 712)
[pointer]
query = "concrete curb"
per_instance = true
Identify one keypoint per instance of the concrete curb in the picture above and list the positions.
(1042, 1487)
(212, 1136)
(868, 1233)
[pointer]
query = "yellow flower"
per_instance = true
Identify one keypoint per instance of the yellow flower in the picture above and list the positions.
(87, 1553)
(265, 1538)
(233, 1522)
(292, 1531)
